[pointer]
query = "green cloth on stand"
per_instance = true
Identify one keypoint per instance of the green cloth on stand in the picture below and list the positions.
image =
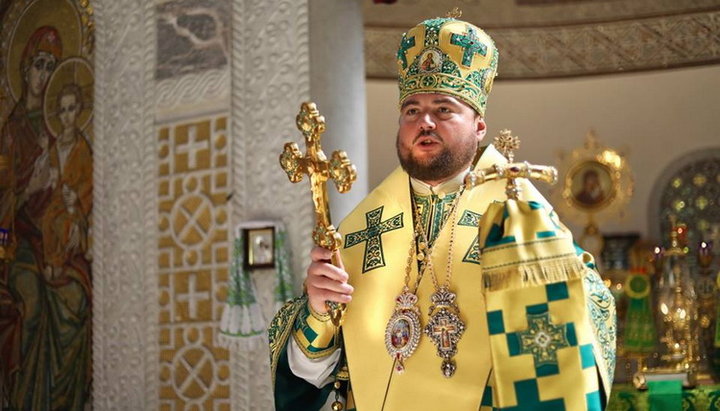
(242, 323)
(665, 395)
(283, 290)
(640, 336)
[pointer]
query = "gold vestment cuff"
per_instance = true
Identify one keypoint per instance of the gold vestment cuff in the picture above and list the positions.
(314, 333)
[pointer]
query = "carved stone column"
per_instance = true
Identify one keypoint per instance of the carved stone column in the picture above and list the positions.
(270, 78)
(125, 309)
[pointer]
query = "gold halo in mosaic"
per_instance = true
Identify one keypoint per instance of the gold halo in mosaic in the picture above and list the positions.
(75, 70)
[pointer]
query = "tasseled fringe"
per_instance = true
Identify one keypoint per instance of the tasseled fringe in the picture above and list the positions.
(242, 326)
(533, 273)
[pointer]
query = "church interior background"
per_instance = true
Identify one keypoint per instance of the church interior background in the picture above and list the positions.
(153, 132)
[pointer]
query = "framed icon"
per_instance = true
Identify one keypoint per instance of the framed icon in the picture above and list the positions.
(430, 61)
(260, 247)
(596, 184)
(591, 185)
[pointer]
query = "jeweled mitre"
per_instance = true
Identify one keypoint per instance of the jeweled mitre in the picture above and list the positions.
(447, 56)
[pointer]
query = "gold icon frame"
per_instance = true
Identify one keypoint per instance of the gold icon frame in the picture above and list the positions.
(614, 182)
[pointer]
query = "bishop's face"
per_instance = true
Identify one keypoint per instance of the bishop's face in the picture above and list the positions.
(438, 136)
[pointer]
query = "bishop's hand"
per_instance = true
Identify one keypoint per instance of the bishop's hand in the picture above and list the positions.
(325, 281)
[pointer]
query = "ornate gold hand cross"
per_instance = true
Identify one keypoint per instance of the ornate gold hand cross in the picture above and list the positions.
(316, 165)
(506, 143)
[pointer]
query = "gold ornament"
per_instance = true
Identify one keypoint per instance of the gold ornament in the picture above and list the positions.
(455, 13)
(316, 165)
(510, 171)
(403, 330)
(597, 184)
(506, 143)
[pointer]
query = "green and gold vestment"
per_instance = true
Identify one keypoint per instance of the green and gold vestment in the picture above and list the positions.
(377, 235)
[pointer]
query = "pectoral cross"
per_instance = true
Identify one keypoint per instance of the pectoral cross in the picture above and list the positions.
(319, 169)
(443, 329)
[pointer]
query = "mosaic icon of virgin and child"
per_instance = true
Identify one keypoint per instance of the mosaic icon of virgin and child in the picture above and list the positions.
(46, 203)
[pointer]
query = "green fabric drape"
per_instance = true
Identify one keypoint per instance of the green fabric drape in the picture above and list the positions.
(242, 323)
(640, 335)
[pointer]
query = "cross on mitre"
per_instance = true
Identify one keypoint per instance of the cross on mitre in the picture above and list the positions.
(455, 13)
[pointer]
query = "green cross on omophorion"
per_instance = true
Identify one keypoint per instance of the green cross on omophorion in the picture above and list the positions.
(542, 339)
(471, 219)
(374, 257)
(471, 43)
(405, 44)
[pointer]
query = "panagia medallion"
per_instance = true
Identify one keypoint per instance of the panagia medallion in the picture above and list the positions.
(402, 333)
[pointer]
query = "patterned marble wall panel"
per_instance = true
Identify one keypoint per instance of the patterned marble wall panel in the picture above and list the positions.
(270, 77)
(192, 36)
(125, 283)
(192, 67)
(570, 50)
(192, 94)
(193, 245)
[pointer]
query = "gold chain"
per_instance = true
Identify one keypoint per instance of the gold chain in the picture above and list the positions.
(410, 259)
(420, 231)
(448, 264)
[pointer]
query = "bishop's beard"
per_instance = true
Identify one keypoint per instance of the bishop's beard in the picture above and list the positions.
(444, 165)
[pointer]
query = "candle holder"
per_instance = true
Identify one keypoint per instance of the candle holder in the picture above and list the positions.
(678, 311)
(657, 259)
(705, 256)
